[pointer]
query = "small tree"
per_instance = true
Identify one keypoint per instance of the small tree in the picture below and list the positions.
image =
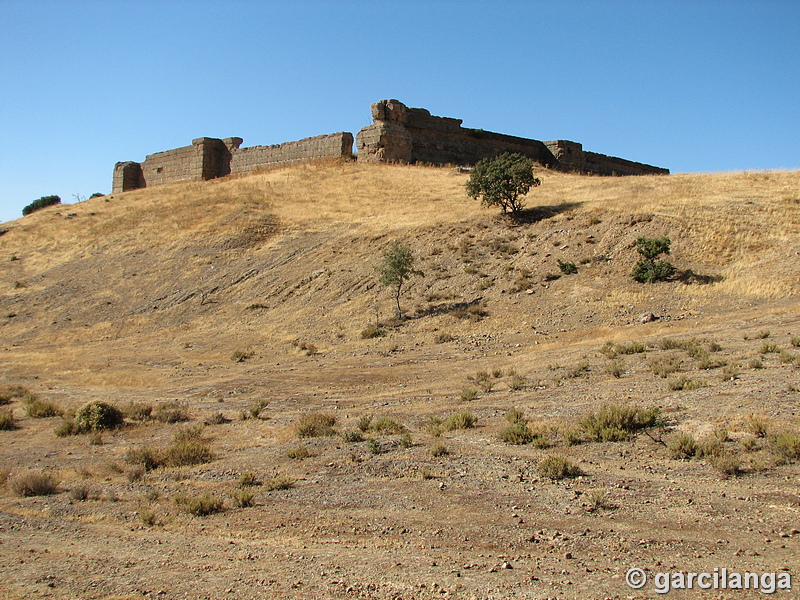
(39, 204)
(397, 268)
(648, 269)
(502, 181)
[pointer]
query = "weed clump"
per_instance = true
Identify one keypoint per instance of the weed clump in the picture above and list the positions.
(171, 411)
(7, 421)
(34, 483)
(279, 482)
(371, 332)
(682, 445)
(439, 449)
(460, 420)
(300, 452)
(37, 408)
(200, 506)
(557, 467)
(617, 422)
(315, 425)
(786, 445)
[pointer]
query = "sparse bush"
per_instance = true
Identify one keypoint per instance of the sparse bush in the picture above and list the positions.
(138, 411)
(516, 434)
(728, 464)
(352, 437)
(648, 269)
(572, 435)
(241, 355)
(217, 418)
(756, 424)
(439, 449)
(682, 445)
(11, 392)
(279, 482)
(762, 335)
(755, 363)
(515, 415)
(95, 438)
(315, 425)
(616, 422)
(665, 365)
(615, 369)
(248, 478)
(684, 383)
(768, 348)
(388, 425)
(372, 332)
(188, 433)
(80, 492)
(97, 416)
(795, 341)
(41, 409)
(517, 382)
(469, 394)
(557, 467)
(749, 443)
(434, 426)
(187, 453)
(365, 423)
(34, 483)
(243, 498)
(145, 456)
(254, 410)
(171, 411)
(135, 473)
(148, 517)
(405, 441)
(373, 446)
(786, 445)
(200, 506)
(709, 447)
(443, 337)
(7, 421)
(300, 452)
(460, 420)
(41, 203)
(579, 370)
(66, 428)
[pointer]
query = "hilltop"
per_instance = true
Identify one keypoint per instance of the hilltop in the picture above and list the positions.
(146, 296)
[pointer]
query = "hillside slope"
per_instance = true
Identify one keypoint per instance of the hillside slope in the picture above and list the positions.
(247, 297)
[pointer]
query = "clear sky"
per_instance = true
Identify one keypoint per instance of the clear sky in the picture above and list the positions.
(687, 85)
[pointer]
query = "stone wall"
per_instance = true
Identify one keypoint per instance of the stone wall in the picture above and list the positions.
(336, 145)
(209, 158)
(398, 134)
(403, 134)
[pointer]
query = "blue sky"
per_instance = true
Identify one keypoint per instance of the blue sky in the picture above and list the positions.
(691, 86)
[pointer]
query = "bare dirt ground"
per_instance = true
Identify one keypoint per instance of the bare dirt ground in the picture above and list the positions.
(146, 297)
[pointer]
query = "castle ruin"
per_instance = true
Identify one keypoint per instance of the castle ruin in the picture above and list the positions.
(398, 134)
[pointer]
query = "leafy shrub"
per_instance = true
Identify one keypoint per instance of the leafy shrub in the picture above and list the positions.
(41, 203)
(98, 415)
(557, 467)
(315, 425)
(682, 445)
(41, 409)
(7, 421)
(648, 269)
(34, 483)
(171, 411)
(460, 420)
(567, 268)
(616, 422)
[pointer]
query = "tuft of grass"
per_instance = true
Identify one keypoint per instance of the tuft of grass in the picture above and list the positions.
(755, 363)
(517, 434)
(728, 464)
(388, 425)
(34, 483)
(443, 337)
(469, 394)
(243, 498)
(460, 420)
(579, 370)
(373, 446)
(138, 411)
(756, 424)
(439, 449)
(241, 356)
(768, 348)
(186, 453)
(300, 452)
(171, 411)
(665, 365)
(515, 416)
(200, 506)
(615, 369)
(786, 445)
(7, 421)
(795, 341)
(217, 418)
(684, 383)
(556, 467)
(248, 478)
(434, 426)
(762, 335)
(279, 482)
(682, 445)
(37, 408)
(372, 332)
(615, 422)
(517, 382)
(315, 425)
(12, 392)
(598, 499)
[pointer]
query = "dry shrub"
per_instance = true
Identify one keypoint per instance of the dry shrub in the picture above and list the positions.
(300, 452)
(460, 420)
(187, 453)
(786, 446)
(199, 506)
(243, 498)
(279, 482)
(315, 425)
(97, 416)
(37, 408)
(171, 411)
(557, 467)
(138, 411)
(439, 449)
(34, 483)
(682, 445)
(728, 464)
(388, 425)
(7, 421)
(616, 422)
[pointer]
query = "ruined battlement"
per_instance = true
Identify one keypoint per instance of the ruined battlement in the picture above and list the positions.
(397, 134)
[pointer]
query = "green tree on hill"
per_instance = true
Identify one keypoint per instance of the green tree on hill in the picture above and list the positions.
(502, 181)
(397, 268)
(648, 269)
